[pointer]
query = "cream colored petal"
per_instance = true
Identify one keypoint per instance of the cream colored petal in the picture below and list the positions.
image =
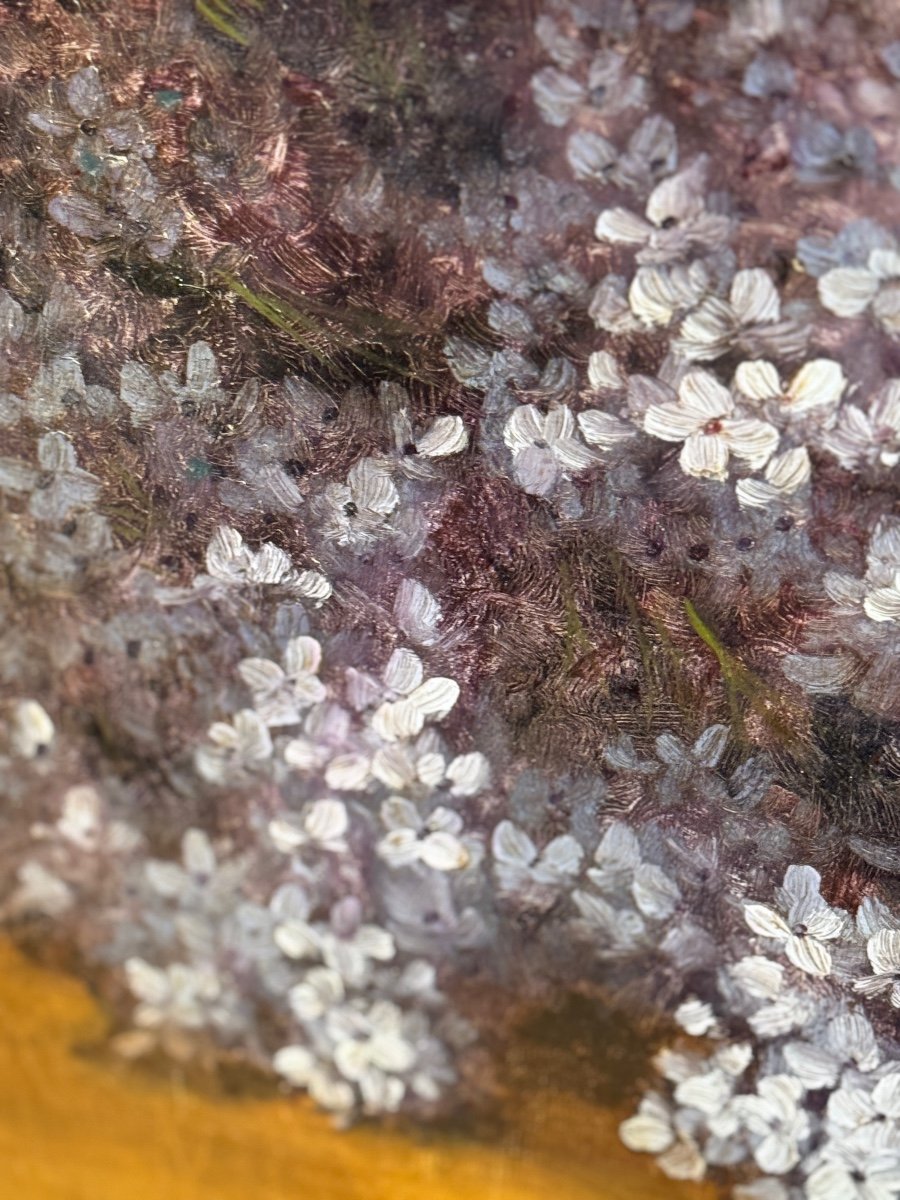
(620, 226)
(766, 922)
(789, 471)
(647, 1133)
(753, 441)
(848, 291)
(755, 493)
(326, 820)
(443, 852)
(435, 697)
(817, 383)
(809, 955)
(604, 373)
(705, 457)
(884, 263)
(303, 656)
(701, 394)
(754, 297)
(558, 424)
(758, 380)
(671, 422)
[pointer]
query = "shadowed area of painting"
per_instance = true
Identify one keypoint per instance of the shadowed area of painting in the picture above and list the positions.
(75, 1126)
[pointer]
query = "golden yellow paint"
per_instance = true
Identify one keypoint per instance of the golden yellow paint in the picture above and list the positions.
(73, 1127)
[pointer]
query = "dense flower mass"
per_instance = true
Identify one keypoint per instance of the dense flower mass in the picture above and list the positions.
(454, 541)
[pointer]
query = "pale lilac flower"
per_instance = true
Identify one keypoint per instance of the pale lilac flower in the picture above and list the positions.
(809, 922)
(281, 694)
(705, 420)
(883, 949)
(545, 449)
(868, 436)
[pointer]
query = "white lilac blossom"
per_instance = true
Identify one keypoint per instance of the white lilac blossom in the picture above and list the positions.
(545, 449)
(676, 221)
(322, 826)
(656, 1130)
(706, 420)
(234, 746)
(851, 291)
(230, 561)
(883, 950)
(753, 308)
(433, 840)
(32, 730)
(816, 388)
(57, 486)
(524, 872)
(807, 925)
(784, 474)
(280, 694)
(868, 436)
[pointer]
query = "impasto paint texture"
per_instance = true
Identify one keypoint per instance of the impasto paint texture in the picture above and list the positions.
(450, 594)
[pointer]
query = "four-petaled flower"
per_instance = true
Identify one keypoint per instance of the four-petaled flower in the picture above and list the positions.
(705, 420)
(809, 922)
(545, 448)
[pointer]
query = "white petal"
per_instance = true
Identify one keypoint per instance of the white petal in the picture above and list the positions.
(683, 1161)
(620, 226)
(848, 291)
(295, 1064)
(671, 422)
(398, 721)
(654, 893)
(754, 441)
(679, 197)
(443, 852)
(33, 731)
(512, 846)
(766, 922)
(814, 1067)
(372, 487)
(818, 383)
(326, 820)
(303, 656)
(537, 470)
(695, 1017)
(789, 471)
(604, 373)
(296, 939)
(469, 774)
(435, 697)
(647, 1133)
(197, 853)
(754, 297)
(560, 858)
(524, 427)
(757, 380)
(602, 429)
(393, 766)
(348, 773)
(884, 263)
(416, 612)
(705, 457)
(399, 848)
(404, 671)
(445, 436)
(701, 394)
(759, 977)
(883, 949)
(883, 604)
(809, 955)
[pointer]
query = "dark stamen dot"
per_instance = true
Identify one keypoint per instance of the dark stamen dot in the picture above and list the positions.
(133, 648)
(745, 543)
(699, 552)
(783, 524)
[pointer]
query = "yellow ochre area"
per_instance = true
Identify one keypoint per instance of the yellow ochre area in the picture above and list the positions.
(76, 1127)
